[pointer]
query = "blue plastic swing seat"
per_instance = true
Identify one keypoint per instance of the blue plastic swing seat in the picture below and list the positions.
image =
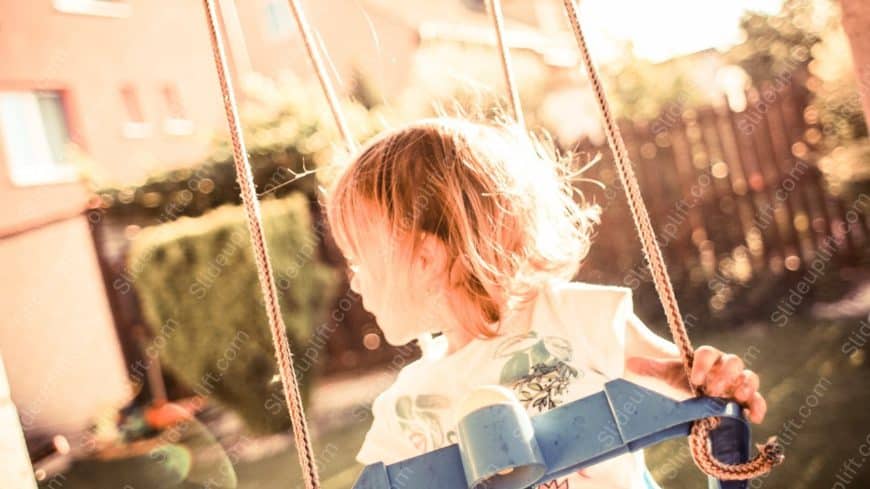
(500, 447)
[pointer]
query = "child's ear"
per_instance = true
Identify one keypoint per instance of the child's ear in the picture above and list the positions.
(433, 255)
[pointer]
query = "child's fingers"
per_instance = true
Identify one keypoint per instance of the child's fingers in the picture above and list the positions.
(726, 372)
(747, 387)
(756, 408)
(705, 358)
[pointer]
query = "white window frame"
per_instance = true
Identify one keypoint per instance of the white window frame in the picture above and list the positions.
(175, 126)
(136, 130)
(100, 8)
(27, 150)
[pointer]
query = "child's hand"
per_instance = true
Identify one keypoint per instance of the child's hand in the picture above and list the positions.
(721, 374)
(716, 373)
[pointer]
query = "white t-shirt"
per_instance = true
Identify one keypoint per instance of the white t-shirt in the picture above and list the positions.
(575, 344)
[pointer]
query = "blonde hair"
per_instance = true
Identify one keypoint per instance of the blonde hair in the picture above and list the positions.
(500, 200)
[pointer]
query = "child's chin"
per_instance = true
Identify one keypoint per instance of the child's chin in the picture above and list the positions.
(397, 339)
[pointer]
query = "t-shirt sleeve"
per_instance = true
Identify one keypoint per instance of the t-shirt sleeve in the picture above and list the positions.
(385, 441)
(597, 316)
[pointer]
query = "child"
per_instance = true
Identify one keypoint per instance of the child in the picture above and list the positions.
(472, 231)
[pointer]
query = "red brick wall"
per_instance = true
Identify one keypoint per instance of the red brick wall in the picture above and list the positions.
(56, 329)
(56, 332)
(91, 58)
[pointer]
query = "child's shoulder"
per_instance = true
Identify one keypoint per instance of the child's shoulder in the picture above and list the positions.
(594, 317)
(588, 298)
(594, 314)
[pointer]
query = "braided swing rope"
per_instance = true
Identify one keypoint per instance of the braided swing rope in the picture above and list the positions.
(770, 454)
(245, 178)
(317, 61)
(494, 7)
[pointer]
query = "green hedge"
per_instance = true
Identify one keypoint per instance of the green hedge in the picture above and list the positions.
(199, 294)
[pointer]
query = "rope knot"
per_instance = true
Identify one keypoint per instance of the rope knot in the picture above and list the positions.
(772, 450)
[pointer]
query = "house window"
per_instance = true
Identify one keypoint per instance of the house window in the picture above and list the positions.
(35, 137)
(135, 127)
(131, 104)
(102, 8)
(173, 102)
(279, 19)
(176, 123)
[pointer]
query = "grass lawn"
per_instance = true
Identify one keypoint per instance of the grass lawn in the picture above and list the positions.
(818, 398)
(335, 454)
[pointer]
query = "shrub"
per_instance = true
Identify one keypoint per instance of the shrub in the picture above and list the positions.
(199, 294)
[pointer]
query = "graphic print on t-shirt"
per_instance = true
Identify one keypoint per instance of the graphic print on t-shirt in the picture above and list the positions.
(421, 419)
(537, 369)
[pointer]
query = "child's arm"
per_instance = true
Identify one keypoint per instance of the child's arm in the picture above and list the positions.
(648, 356)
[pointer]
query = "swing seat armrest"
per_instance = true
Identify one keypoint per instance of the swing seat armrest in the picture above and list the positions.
(622, 418)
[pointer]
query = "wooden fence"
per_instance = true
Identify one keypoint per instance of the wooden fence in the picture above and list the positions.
(734, 196)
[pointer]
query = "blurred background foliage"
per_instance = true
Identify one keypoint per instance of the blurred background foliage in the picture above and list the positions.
(805, 44)
(197, 286)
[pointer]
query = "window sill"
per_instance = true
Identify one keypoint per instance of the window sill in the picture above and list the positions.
(136, 130)
(94, 7)
(49, 176)
(178, 127)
